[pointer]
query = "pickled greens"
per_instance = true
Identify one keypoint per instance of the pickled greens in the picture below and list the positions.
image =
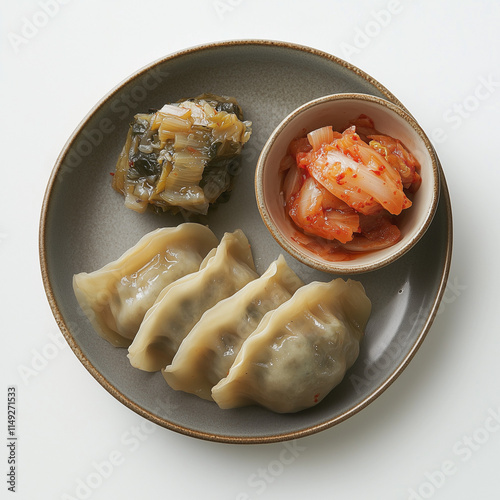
(183, 157)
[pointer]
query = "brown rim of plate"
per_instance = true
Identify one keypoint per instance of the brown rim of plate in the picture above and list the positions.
(332, 267)
(119, 395)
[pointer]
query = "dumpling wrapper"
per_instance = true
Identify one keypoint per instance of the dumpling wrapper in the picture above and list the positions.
(300, 351)
(207, 353)
(180, 305)
(116, 297)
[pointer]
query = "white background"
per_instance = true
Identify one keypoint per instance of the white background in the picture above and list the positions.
(432, 434)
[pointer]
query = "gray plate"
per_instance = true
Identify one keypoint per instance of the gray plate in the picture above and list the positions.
(84, 225)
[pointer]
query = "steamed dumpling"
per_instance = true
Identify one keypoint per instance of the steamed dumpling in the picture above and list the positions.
(209, 350)
(180, 305)
(116, 297)
(300, 351)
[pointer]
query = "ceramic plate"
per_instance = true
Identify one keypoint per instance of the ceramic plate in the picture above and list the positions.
(84, 225)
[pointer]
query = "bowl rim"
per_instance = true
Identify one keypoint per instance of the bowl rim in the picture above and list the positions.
(346, 267)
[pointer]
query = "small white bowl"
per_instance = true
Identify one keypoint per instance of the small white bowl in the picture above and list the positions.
(338, 110)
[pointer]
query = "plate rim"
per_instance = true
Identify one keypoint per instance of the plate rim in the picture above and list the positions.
(122, 398)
